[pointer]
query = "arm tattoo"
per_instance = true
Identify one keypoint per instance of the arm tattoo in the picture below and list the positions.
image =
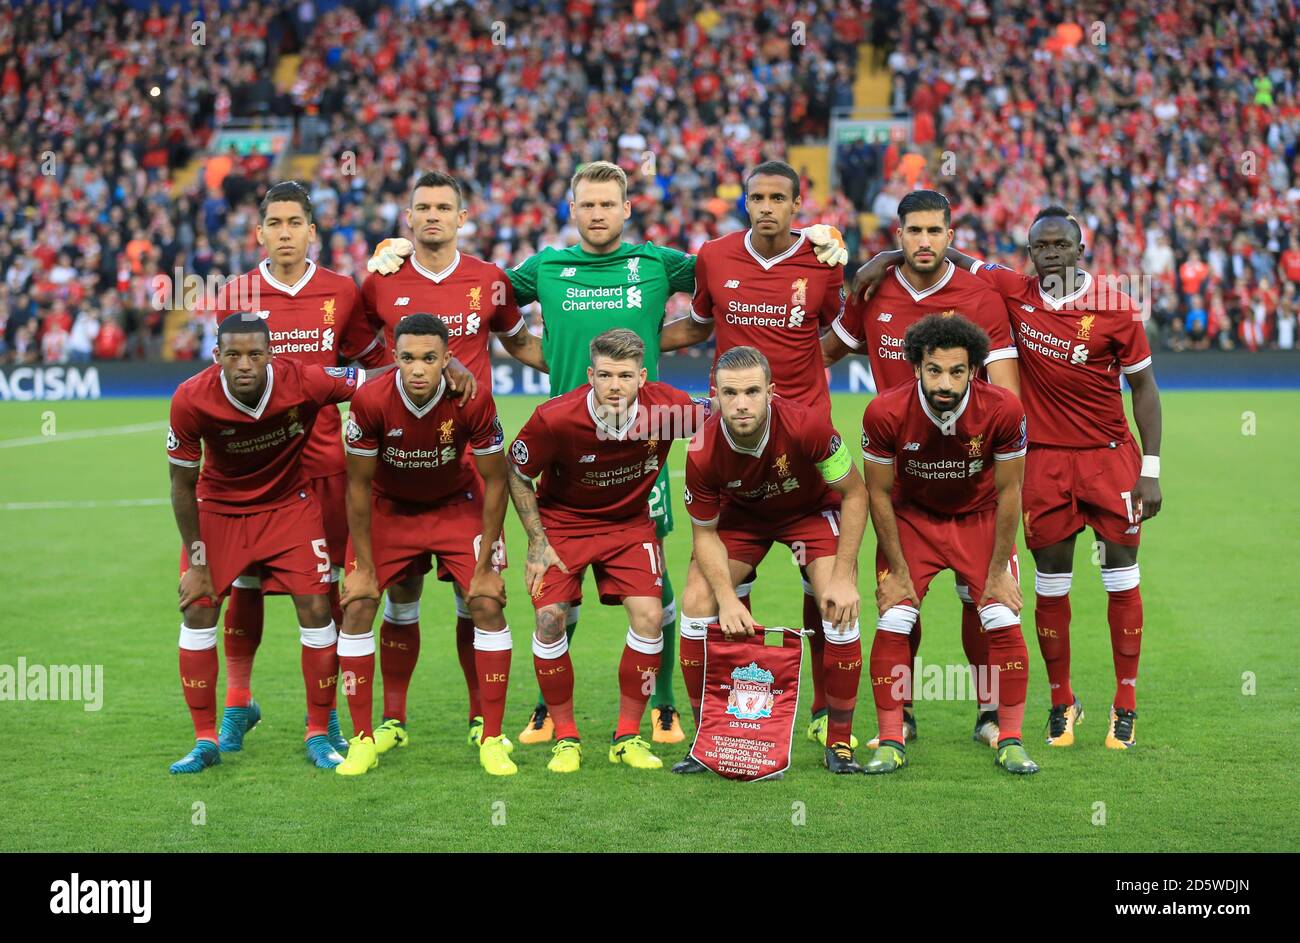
(525, 501)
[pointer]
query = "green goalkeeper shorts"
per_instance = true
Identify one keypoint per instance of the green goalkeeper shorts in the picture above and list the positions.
(661, 505)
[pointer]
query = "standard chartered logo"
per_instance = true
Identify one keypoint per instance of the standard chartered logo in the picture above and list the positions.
(1079, 354)
(327, 339)
(471, 324)
(633, 297)
(796, 316)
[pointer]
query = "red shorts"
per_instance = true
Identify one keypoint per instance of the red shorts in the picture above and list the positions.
(1068, 489)
(405, 538)
(285, 547)
(626, 562)
(936, 542)
(331, 495)
(748, 538)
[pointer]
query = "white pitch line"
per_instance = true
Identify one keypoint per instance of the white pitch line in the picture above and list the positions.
(67, 505)
(83, 434)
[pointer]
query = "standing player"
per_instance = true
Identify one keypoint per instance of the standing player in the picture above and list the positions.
(408, 438)
(599, 450)
(1077, 333)
(247, 420)
(944, 460)
(584, 290)
(923, 282)
(766, 288)
(474, 299)
(314, 317)
(769, 469)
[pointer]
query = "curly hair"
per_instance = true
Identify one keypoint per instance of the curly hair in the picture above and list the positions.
(944, 332)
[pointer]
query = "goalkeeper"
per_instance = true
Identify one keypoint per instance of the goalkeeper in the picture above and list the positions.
(585, 290)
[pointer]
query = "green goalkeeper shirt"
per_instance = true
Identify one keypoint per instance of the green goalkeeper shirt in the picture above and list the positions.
(583, 295)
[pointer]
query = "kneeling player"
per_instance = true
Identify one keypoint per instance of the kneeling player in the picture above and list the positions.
(247, 420)
(954, 509)
(407, 439)
(598, 450)
(768, 469)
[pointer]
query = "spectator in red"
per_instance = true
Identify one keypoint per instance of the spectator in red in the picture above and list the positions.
(110, 344)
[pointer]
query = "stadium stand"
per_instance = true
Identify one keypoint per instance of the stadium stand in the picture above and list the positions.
(110, 173)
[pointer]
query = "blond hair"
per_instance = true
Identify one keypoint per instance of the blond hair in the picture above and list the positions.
(618, 344)
(599, 171)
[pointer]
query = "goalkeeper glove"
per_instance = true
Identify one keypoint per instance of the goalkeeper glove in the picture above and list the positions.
(389, 255)
(828, 244)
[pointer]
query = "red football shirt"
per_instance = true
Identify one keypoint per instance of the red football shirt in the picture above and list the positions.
(778, 305)
(422, 450)
(319, 320)
(596, 477)
(779, 478)
(1072, 352)
(473, 297)
(253, 456)
(944, 463)
(879, 325)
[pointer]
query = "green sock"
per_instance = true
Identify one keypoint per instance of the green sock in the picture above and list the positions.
(568, 630)
(663, 696)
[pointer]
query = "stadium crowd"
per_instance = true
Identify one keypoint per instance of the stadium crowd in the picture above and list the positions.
(1186, 170)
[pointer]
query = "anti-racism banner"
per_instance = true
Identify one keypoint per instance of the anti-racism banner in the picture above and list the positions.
(751, 697)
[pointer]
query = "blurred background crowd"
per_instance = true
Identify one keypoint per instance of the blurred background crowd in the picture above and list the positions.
(1170, 128)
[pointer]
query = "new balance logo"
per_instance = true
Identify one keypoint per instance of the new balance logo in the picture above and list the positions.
(1029, 308)
(393, 432)
(911, 446)
(586, 458)
(401, 302)
(569, 272)
(733, 484)
(885, 317)
(732, 283)
(227, 431)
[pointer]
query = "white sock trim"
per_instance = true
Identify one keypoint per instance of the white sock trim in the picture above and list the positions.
(963, 592)
(807, 587)
(997, 616)
(1053, 584)
(462, 609)
(645, 646)
(744, 589)
(336, 574)
(198, 640)
(488, 641)
(899, 619)
(550, 650)
(248, 582)
(1117, 579)
(401, 613)
(670, 615)
(838, 637)
(323, 637)
(695, 627)
(356, 646)
(572, 617)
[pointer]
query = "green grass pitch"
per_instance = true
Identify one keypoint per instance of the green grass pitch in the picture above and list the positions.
(97, 585)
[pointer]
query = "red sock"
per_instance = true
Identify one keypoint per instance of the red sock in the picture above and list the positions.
(1052, 620)
(843, 666)
(399, 649)
(690, 655)
(1009, 657)
(976, 647)
(1125, 616)
(357, 668)
(492, 675)
(320, 672)
(554, 671)
(243, 633)
(891, 660)
(913, 646)
(198, 669)
(468, 663)
(812, 621)
(637, 670)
